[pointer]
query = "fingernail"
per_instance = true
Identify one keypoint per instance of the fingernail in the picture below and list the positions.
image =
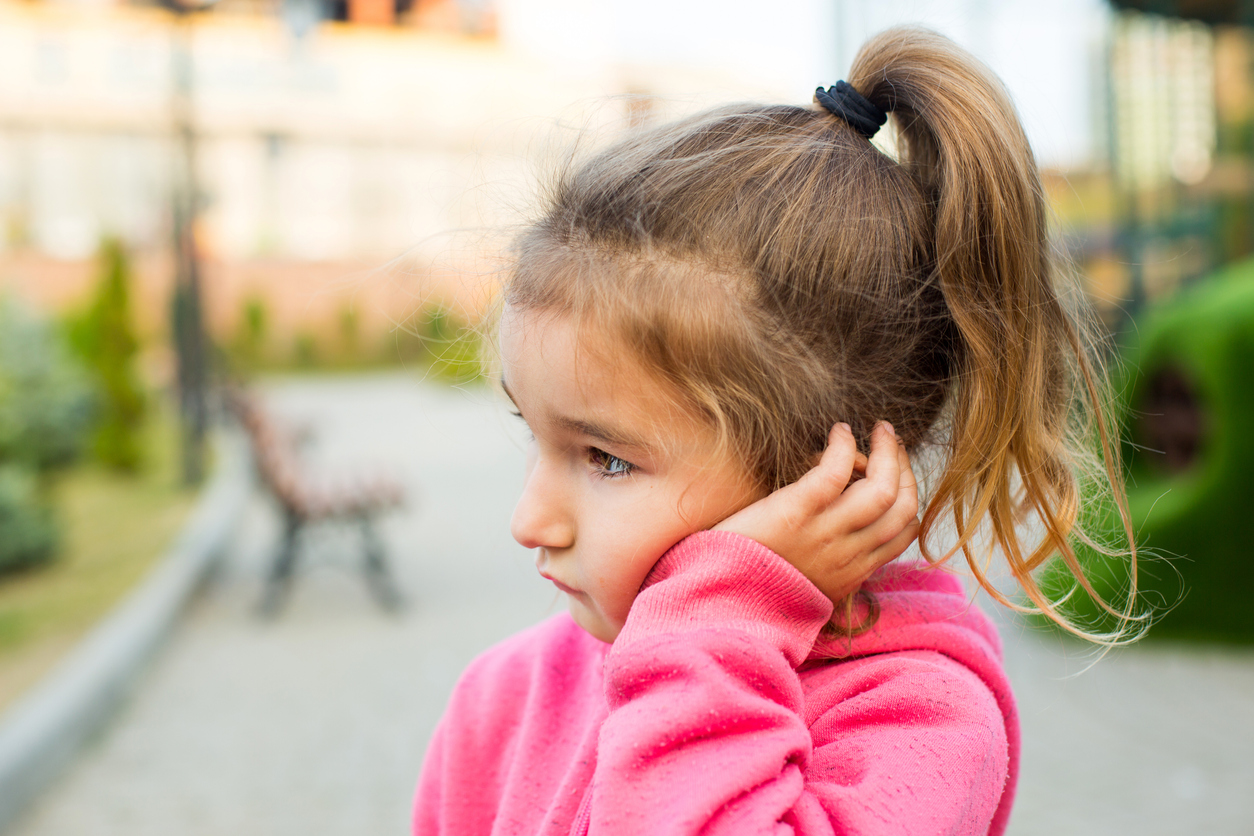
(845, 426)
(890, 429)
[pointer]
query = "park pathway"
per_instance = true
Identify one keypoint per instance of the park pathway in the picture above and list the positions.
(315, 723)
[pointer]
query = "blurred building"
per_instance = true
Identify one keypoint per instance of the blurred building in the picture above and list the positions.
(336, 135)
(1181, 127)
(331, 146)
(326, 148)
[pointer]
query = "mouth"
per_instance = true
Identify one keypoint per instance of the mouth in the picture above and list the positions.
(561, 586)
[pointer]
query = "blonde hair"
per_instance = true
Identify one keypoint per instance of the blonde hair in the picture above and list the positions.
(782, 274)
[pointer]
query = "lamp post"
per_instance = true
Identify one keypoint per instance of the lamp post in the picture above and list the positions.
(187, 320)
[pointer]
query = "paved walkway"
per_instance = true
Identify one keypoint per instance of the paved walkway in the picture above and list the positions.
(315, 723)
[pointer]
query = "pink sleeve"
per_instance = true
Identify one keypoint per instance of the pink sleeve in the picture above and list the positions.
(710, 731)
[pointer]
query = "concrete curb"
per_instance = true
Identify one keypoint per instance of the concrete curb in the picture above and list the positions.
(40, 734)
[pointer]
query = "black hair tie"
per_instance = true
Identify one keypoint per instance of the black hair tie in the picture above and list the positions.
(847, 103)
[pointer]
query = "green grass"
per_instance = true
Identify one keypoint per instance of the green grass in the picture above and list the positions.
(115, 527)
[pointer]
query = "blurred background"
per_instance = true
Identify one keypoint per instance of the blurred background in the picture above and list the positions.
(306, 200)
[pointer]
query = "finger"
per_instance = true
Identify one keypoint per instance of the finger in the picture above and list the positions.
(886, 528)
(904, 510)
(908, 482)
(907, 504)
(859, 466)
(895, 547)
(828, 479)
(889, 524)
(870, 498)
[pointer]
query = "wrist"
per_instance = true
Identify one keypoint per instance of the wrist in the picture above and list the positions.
(724, 580)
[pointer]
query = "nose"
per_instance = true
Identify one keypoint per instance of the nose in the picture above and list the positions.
(542, 518)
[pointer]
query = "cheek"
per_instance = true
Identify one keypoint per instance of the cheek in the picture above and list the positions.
(711, 502)
(628, 546)
(651, 532)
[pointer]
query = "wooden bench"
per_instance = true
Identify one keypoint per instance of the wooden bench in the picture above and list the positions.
(356, 499)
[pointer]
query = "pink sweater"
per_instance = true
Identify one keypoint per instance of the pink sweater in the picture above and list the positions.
(719, 709)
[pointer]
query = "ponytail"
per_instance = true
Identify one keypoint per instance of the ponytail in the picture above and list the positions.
(1019, 360)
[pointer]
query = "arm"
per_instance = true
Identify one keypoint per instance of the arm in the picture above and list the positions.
(710, 731)
(429, 797)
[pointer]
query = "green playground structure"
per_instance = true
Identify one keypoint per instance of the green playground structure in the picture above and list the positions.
(1186, 403)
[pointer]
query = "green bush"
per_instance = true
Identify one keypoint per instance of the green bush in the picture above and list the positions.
(350, 333)
(454, 348)
(45, 416)
(305, 350)
(1187, 400)
(433, 339)
(46, 405)
(105, 338)
(246, 351)
(28, 531)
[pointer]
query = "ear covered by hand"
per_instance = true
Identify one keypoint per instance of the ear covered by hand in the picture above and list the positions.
(835, 529)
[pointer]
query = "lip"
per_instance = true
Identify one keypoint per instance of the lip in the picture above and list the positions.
(563, 587)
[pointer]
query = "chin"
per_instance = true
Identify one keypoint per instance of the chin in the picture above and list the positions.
(593, 625)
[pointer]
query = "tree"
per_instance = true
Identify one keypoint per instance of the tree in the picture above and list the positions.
(105, 338)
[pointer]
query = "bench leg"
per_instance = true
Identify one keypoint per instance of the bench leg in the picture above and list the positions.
(279, 582)
(378, 574)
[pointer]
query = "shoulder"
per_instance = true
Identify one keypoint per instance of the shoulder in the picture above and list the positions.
(920, 704)
(922, 608)
(912, 737)
(908, 688)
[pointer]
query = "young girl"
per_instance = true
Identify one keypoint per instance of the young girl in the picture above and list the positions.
(708, 323)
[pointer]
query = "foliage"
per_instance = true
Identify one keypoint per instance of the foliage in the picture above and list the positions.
(453, 347)
(105, 337)
(45, 414)
(43, 612)
(306, 350)
(433, 340)
(28, 531)
(45, 400)
(247, 349)
(350, 332)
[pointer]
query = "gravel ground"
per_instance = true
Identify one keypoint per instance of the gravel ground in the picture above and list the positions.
(315, 723)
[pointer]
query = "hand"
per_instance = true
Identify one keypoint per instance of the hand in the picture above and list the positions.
(834, 531)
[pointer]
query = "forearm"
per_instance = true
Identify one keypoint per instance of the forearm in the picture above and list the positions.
(706, 731)
(712, 730)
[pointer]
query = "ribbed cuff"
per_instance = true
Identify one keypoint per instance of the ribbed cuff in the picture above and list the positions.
(718, 579)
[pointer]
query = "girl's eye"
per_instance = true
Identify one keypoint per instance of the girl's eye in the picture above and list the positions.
(520, 417)
(608, 466)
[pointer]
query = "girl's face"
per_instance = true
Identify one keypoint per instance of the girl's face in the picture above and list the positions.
(617, 473)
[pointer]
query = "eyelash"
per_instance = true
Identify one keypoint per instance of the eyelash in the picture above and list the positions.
(609, 466)
(520, 417)
(606, 465)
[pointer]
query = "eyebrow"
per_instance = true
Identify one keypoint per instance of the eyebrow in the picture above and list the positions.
(600, 432)
(609, 435)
